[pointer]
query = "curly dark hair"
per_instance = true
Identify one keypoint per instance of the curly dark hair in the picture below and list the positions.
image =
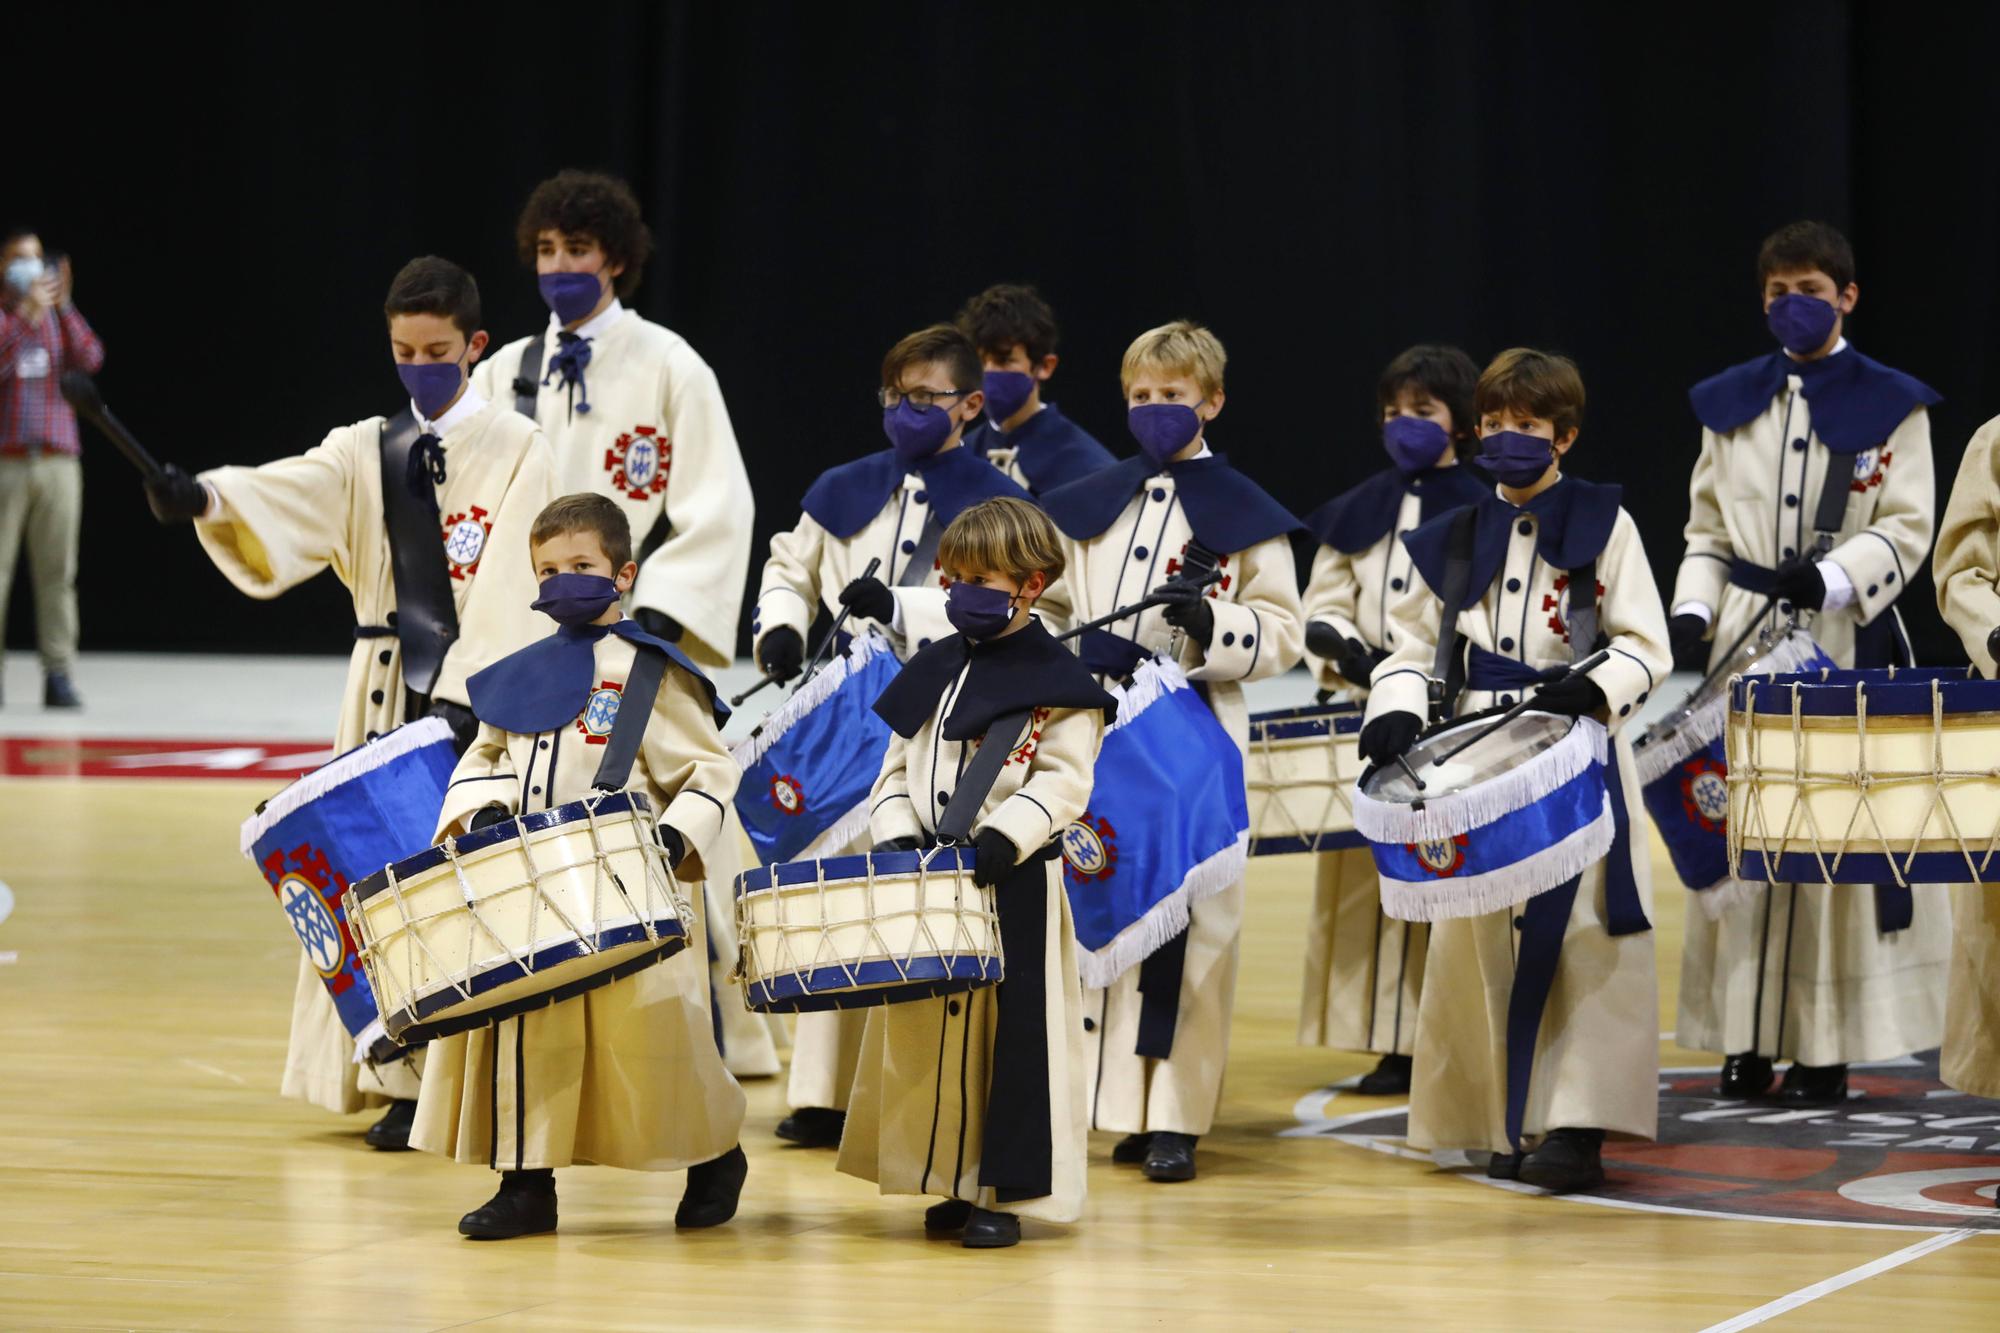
(593, 204)
(1009, 313)
(1445, 374)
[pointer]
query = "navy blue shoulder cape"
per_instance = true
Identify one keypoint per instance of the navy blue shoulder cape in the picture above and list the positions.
(1228, 511)
(545, 685)
(1052, 450)
(1025, 669)
(1856, 401)
(1574, 517)
(1355, 520)
(845, 498)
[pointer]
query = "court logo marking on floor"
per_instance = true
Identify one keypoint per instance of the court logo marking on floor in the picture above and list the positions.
(1905, 1152)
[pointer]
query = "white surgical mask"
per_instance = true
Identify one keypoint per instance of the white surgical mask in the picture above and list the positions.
(23, 272)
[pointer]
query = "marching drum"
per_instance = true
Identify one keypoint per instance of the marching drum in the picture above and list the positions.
(536, 909)
(1518, 813)
(853, 931)
(1302, 767)
(1865, 777)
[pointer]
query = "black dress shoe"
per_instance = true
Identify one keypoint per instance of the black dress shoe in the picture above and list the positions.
(1131, 1150)
(1567, 1160)
(1390, 1078)
(713, 1188)
(991, 1231)
(392, 1132)
(947, 1218)
(1814, 1085)
(525, 1206)
(58, 692)
(1171, 1157)
(1504, 1166)
(813, 1127)
(1746, 1076)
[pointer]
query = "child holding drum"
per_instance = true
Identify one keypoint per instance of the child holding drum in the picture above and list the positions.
(980, 1097)
(627, 1074)
(1364, 970)
(1538, 1023)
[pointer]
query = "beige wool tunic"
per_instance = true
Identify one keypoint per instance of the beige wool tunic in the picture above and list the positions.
(277, 525)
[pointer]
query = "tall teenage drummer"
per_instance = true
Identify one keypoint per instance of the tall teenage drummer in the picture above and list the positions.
(422, 517)
(1158, 1037)
(1815, 485)
(1538, 1025)
(1365, 970)
(633, 413)
(1023, 434)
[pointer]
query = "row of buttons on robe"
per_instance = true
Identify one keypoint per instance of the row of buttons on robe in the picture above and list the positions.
(921, 497)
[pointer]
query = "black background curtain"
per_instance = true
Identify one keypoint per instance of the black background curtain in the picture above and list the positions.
(1322, 183)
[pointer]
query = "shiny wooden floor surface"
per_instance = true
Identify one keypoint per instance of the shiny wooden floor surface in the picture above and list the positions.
(150, 1177)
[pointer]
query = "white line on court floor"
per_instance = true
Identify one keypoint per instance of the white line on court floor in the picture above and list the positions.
(1805, 1295)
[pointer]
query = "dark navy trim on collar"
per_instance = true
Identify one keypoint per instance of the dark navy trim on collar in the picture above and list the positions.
(1574, 520)
(1227, 510)
(544, 686)
(1050, 449)
(1358, 518)
(1023, 670)
(1857, 402)
(845, 499)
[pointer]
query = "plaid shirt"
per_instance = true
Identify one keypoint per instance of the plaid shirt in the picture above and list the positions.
(34, 417)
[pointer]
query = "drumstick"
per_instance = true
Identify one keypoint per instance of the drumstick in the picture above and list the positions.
(1527, 702)
(81, 392)
(736, 700)
(1143, 604)
(1721, 664)
(834, 631)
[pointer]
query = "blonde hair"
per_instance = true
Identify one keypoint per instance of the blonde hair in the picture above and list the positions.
(1180, 348)
(586, 511)
(1005, 535)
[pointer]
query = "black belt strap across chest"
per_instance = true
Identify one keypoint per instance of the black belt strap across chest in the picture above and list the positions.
(977, 781)
(635, 710)
(1581, 603)
(1831, 513)
(426, 616)
(528, 383)
(1447, 670)
(918, 571)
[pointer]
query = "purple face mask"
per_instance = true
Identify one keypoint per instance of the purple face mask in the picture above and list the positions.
(1163, 429)
(976, 612)
(1414, 443)
(1007, 392)
(1515, 459)
(576, 599)
(431, 387)
(1801, 323)
(915, 432)
(570, 295)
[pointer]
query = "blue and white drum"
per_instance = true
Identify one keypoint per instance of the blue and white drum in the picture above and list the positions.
(853, 931)
(1516, 814)
(1301, 770)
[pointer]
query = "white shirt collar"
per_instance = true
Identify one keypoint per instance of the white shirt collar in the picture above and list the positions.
(1838, 347)
(1205, 452)
(595, 326)
(469, 404)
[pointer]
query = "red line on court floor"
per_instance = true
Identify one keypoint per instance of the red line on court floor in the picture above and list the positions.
(94, 757)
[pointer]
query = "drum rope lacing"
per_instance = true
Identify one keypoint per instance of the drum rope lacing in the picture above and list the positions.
(1339, 790)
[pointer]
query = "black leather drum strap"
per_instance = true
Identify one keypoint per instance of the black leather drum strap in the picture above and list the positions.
(635, 710)
(1831, 515)
(918, 571)
(426, 617)
(1581, 599)
(1447, 673)
(977, 781)
(528, 383)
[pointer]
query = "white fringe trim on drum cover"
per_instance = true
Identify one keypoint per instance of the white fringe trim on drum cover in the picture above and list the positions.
(834, 841)
(1726, 893)
(362, 759)
(1496, 890)
(1165, 919)
(1154, 677)
(1706, 723)
(808, 697)
(1463, 811)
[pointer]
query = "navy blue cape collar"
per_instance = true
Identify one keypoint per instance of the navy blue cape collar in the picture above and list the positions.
(1574, 521)
(1228, 511)
(846, 498)
(1856, 401)
(1022, 670)
(1355, 520)
(544, 686)
(1051, 449)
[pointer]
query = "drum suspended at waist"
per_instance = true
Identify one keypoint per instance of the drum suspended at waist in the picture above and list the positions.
(1301, 770)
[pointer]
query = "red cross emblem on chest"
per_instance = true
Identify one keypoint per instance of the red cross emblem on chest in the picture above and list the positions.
(1861, 485)
(1553, 604)
(639, 461)
(1216, 589)
(465, 541)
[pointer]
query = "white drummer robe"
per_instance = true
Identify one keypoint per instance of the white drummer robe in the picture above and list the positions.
(1596, 1057)
(1967, 566)
(626, 1075)
(1803, 971)
(275, 526)
(917, 1117)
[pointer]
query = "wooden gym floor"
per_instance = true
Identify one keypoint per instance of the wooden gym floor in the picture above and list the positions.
(150, 1176)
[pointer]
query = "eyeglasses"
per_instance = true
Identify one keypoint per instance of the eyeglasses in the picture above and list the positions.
(921, 399)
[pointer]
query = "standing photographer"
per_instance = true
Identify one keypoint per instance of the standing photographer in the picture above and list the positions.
(41, 477)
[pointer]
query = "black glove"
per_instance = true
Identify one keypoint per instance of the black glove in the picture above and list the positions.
(870, 599)
(671, 839)
(904, 844)
(464, 726)
(486, 816)
(1387, 738)
(1993, 643)
(175, 497)
(1322, 696)
(782, 652)
(658, 624)
(1800, 583)
(994, 857)
(1323, 640)
(1575, 695)
(1185, 607)
(1357, 665)
(1688, 633)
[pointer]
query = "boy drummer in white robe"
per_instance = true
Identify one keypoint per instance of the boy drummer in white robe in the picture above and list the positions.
(980, 1097)
(627, 1075)
(1365, 969)
(632, 412)
(1538, 1024)
(272, 527)
(886, 506)
(1158, 1037)
(1825, 975)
